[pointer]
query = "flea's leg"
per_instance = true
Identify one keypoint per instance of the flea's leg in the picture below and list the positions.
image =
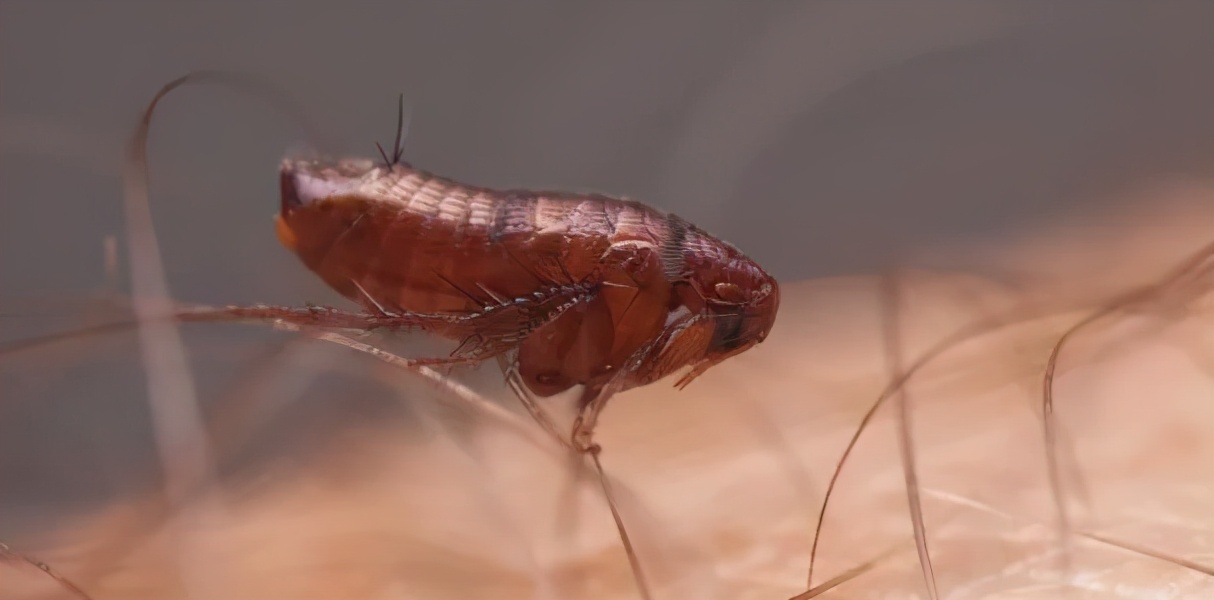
(594, 398)
(486, 333)
(509, 364)
(646, 365)
(310, 316)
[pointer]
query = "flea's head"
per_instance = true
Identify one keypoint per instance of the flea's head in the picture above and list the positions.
(729, 290)
(743, 306)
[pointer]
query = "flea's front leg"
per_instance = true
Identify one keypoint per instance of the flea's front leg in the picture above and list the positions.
(594, 398)
(677, 346)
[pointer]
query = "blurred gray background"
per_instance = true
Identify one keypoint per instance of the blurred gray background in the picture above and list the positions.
(820, 137)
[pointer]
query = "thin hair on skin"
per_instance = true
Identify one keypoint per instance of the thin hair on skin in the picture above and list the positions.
(1181, 283)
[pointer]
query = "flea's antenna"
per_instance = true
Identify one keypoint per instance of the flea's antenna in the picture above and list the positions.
(398, 149)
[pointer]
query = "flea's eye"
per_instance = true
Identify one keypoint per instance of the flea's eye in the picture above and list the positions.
(730, 293)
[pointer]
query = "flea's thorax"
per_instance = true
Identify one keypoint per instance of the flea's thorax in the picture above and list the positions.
(720, 484)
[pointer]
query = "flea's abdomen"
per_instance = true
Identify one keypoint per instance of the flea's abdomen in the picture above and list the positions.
(407, 240)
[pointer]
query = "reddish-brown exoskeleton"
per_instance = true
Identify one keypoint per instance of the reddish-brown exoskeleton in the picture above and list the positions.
(564, 289)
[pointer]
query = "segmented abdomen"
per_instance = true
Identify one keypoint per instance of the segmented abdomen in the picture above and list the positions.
(413, 241)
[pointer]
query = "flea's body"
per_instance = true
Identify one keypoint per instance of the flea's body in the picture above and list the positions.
(586, 288)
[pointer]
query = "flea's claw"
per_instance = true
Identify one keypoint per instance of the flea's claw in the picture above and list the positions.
(583, 439)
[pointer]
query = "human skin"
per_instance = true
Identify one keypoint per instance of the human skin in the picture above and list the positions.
(720, 484)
